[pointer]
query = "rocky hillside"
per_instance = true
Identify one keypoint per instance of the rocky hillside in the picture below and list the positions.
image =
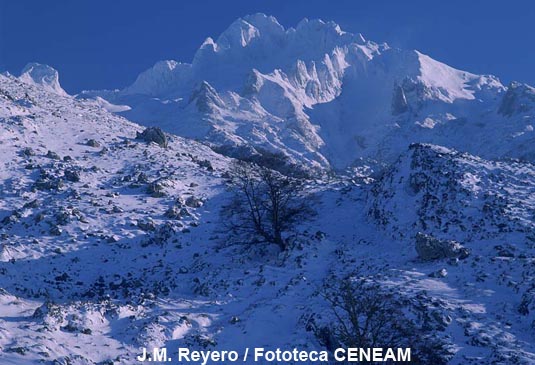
(112, 238)
(457, 195)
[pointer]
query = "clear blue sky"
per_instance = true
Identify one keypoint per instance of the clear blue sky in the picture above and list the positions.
(106, 43)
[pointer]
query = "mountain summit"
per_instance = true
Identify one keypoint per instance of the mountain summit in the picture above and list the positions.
(327, 98)
(43, 75)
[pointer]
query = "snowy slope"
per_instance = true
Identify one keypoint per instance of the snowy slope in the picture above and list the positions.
(94, 264)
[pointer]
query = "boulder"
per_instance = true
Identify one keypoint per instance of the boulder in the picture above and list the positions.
(72, 175)
(153, 134)
(173, 213)
(93, 143)
(27, 152)
(53, 155)
(156, 189)
(194, 202)
(431, 248)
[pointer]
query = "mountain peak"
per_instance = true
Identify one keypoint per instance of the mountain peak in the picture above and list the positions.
(160, 79)
(205, 97)
(42, 75)
(243, 31)
(264, 22)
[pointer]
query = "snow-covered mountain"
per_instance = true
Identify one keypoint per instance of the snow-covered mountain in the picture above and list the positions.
(326, 97)
(109, 243)
(43, 75)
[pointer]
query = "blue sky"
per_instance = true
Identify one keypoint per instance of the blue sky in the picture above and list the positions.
(105, 44)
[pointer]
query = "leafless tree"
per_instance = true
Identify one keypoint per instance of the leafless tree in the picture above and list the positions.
(369, 316)
(266, 204)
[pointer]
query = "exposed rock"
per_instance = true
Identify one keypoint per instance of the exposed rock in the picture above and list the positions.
(142, 178)
(156, 189)
(194, 202)
(53, 155)
(72, 175)
(153, 134)
(32, 204)
(117, 209)
(203, 163)
(173, 213)
(527, 304)
(399, 101)
(518, 99)
(92, 143)
(161, 234)
(56, 231)
(27, 151)
(206, 98)
(63, 217)
(431, 248)
(12, 218)
(47, 181)
(442, 273)
(147, 225)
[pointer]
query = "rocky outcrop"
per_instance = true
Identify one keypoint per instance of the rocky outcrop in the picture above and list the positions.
(153, 134)
(430, 248)
(518, 99)
(441, 191)
(399, 101)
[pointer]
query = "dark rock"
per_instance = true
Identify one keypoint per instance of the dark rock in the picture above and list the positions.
(56, 231)
(27, 151)
(206, 164)
(72, 175)
(47, 181)
(63, 217)
(156, 189)
(399, 101)
(92, 143)
(32, 204)
(518, 99)
(173, 213)
(431, 248)
(153, 134)
(21, 350)
(112, 239)
(62, 277)
(12, 218)
(161, 235)
(194, 202)
(442, 273)
(146, 226)
(53, 155)
(142, 178)
(117, 209)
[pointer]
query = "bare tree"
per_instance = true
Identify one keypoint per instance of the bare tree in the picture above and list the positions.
(266, 204)
(367, 315)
